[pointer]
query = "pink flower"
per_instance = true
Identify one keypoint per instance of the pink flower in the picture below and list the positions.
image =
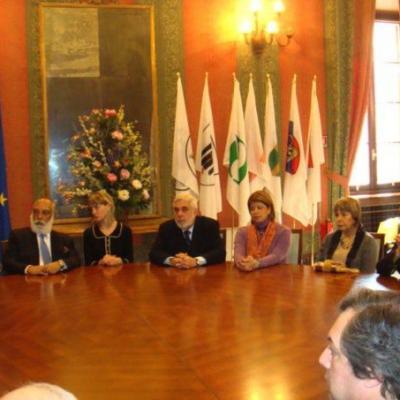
(110, 113)
(111, 177)
(117, 135)
(124, 174)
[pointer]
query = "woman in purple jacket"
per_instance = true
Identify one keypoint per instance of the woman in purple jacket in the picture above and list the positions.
(263, 242)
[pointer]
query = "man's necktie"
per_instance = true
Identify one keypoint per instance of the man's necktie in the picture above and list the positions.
(186, 235)
(44, 250)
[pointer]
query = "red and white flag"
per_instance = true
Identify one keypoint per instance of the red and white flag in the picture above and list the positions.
(295, 201)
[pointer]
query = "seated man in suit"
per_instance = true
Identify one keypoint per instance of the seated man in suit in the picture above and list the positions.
(38, 250)
(188, 240)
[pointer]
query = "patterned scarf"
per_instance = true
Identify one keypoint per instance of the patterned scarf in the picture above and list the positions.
(258, 243)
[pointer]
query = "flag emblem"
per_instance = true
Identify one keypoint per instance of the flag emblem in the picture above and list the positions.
(273, 162)
(293, 152)
(237, 164)
(207, 160)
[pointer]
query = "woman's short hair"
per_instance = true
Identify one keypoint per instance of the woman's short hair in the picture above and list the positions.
(350, 205)
(264, 197)
(101, 197)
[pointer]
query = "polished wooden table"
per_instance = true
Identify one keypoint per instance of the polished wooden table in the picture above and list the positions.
(146, 332)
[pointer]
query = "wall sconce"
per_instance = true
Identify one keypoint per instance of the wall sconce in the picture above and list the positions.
(261, 34)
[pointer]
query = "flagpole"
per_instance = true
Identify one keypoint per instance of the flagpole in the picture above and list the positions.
(232, 212)
(232, 227)
(312, 235)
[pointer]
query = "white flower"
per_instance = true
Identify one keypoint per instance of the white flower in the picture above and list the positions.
(137, 184)
(123, 195)
(146, 194)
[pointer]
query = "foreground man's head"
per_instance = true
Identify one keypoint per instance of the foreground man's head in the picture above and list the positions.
(362, 357)
(39, 391)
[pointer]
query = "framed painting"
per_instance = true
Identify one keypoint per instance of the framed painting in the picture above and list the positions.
(84, 54)
(95, 57)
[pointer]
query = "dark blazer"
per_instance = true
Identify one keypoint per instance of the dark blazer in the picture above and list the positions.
(206, 242)
(23, 250)
(119, 244)
(389, 264)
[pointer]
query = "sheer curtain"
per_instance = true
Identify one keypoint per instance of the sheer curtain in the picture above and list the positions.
(348, 32)
(364, 17)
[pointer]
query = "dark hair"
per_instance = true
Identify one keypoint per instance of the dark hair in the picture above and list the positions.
(371, 343)
(264, 197)
(361, 298)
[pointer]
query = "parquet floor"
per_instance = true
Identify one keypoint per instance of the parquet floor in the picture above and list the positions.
(146, 332)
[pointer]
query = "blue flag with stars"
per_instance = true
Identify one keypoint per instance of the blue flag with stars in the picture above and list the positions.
(4, 215)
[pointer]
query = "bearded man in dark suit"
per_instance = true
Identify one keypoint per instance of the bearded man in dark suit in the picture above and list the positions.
(188, 240)
(38, 250)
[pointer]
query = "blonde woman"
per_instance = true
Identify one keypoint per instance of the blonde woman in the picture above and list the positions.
(106, 241)
(350, 245)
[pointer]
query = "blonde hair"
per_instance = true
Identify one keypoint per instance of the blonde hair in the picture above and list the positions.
(101, 197)
(264, 197)
(350, 205)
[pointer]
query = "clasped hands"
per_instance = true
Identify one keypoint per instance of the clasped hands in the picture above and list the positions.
(110, 260)
(46, 269)
(248, 263)
(183, 261)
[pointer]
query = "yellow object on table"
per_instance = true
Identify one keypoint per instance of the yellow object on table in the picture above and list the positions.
(331, 266)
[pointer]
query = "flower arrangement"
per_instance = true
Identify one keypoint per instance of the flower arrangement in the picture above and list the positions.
(106, 153)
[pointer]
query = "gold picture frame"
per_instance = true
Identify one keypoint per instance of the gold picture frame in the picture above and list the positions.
(164, 33)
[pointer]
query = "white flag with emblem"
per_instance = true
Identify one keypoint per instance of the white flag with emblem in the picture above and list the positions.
(183, 168)
(271, 150)
(210, 203)
(238, 189)
(315, 155)
(255, 151)
(295, 202)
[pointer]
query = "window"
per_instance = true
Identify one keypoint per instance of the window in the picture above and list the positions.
(377, 164)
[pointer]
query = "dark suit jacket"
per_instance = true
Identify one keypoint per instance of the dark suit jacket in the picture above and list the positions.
(23, 250)
(206, 242)
(389, 264)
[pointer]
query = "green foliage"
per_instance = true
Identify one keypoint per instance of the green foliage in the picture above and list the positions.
(107, 154)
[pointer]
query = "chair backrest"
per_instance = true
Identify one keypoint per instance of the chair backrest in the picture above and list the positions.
(380, 240)
(296, 247)
(3, 246)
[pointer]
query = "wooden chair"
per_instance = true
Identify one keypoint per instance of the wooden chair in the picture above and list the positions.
(380, 240)
(3, 246)
(296, 247)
